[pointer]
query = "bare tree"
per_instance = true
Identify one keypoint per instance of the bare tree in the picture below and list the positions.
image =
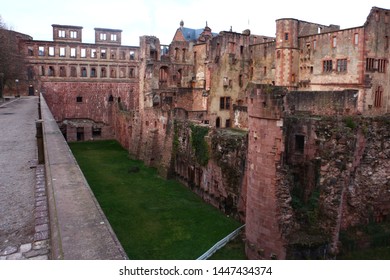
(12, 62)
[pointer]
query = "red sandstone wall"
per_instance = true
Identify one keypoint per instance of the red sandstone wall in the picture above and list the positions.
(266, 145)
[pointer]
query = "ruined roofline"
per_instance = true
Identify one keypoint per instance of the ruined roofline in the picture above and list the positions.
(79, 43)
(334, 31)
(67, 26)
(19, 35)
(379, 8)
(107, 29)
(374, 9)
(308, 22)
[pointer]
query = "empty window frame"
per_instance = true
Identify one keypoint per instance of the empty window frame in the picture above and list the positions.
(184, 53)
(113, 54)
(382, 65)
(103, 72)
(112, 73)
(240, 81)
(62, 71)
(79, 99)
(327, 66)
(62, 51)
(122, 55)
(41, 51)
(224, 103)
(83, 71)
(132, 55)
(370, 64)
(73, 34)
(83, 52)
(103, 36)
(61, 33)
(378, 97)
(131, 73)
(341, 65)
(51, 51)
(286, 36)
(356, 39)
(103, 53)
(227, 123)
(51, 71)
(373, 64)
(177, 52)
(114, 37)
(73, 52)
(96, 132)
(30, 51)
(73, 71)
(299, 143)
(93, 53)
(93, 72)
(122, 72)
(334, 41)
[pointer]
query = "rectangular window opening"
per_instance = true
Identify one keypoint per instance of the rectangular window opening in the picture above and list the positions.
(341, 65)
(96, 132)
(62, 51)
(103, 53)
(300, 143)
(73, 52)
(41, 51)
(51, 51)
(327, 66)
(73, 34)
(224, 103)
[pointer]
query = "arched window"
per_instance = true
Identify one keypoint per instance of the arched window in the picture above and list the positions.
(179, 76)
(163, 77)
(103, 72)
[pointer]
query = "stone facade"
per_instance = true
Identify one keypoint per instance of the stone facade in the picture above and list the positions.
(274, 131)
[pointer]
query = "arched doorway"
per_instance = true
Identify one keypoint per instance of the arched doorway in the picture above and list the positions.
(218, 122)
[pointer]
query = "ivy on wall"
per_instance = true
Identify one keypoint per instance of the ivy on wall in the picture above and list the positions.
(199, 144)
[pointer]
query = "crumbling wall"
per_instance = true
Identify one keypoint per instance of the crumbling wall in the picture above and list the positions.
(212, 164)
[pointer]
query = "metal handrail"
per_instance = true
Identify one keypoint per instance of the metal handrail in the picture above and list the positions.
(220, 244)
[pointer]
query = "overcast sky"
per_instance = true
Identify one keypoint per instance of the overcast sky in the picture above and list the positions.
(162, 18)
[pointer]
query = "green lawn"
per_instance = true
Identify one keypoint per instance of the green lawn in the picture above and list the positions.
(152, 217)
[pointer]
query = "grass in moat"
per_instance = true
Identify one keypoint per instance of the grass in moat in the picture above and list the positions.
(153, 218)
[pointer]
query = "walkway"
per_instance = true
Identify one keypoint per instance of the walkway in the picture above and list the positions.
(24, 227)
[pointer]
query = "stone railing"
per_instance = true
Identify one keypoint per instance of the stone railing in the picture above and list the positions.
(79, 229)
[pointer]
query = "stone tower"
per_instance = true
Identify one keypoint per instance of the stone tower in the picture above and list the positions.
(287, 53)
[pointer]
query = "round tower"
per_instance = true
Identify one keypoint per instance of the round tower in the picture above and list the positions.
(287, 53)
